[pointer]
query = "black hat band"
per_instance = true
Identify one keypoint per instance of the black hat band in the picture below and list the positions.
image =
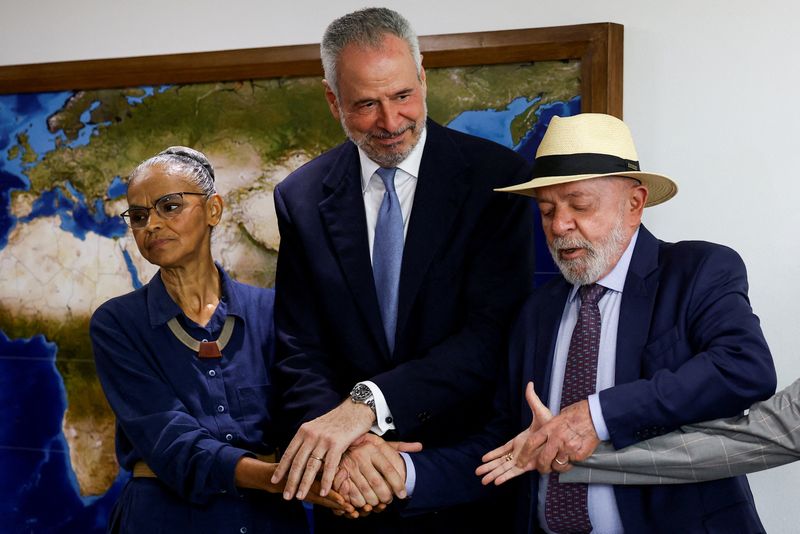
(588, 163)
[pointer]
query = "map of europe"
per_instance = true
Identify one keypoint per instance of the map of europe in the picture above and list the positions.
(64, 159)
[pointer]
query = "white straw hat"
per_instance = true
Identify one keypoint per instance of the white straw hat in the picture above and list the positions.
(590, 145)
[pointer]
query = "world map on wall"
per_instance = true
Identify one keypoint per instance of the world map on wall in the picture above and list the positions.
(64, 158)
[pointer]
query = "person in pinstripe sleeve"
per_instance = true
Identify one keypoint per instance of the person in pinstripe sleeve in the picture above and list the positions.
(767, 436)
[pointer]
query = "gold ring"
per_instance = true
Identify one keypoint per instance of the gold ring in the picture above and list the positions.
(559, 462)
(317, 458)
(509, 457)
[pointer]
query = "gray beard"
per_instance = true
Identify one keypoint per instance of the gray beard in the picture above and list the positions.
(384, 159)
(598, 260)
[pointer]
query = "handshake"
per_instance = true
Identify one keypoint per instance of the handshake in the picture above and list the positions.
(333, 461)
(372, 473)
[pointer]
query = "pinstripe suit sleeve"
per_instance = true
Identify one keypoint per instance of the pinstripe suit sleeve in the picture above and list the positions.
(768, 436)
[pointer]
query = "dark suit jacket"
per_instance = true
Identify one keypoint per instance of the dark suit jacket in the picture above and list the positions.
(467, 265)
(689, 348)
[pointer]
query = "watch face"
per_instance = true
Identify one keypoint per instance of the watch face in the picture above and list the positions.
(360, 393)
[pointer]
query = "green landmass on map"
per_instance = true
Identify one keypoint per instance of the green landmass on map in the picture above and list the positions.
(453, 90)
(274, 117)
(109, 107)
(23, 147)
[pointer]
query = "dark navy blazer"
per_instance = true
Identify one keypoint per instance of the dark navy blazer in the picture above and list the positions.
(689, 348)
(467, 265)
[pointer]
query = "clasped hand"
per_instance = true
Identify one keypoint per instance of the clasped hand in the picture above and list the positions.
(367, 470)
(549, 444)
(372, 472)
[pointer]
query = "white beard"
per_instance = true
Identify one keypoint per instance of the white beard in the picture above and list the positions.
(597, 261)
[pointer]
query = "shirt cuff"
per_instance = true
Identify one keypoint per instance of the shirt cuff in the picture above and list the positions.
(598, 420)
(383, 416)
(227, 458)
(411, 473)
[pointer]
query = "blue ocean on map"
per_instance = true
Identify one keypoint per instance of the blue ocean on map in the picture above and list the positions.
(78, 216)
(39, 491)
(495, 125)
(38, 488)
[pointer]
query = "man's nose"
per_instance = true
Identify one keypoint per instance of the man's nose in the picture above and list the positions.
(562, 222)
(390, 117)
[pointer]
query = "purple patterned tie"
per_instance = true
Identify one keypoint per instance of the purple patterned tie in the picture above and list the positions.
(566, 509)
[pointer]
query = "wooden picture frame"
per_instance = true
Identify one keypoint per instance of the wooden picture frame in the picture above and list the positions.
(598, 46)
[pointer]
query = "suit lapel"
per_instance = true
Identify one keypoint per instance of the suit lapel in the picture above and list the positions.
(636, 310)
(441, 190)
(343, 217)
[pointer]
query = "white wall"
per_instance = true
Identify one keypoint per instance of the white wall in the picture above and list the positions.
(707, 95)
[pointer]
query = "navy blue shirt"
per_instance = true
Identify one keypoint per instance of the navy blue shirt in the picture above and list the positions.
(189, 419)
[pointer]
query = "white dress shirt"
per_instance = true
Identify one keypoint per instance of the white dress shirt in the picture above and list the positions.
(372, 189)
(405, 183)
(602, 503)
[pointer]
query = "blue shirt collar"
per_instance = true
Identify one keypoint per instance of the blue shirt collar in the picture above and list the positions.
(162, 308)
(615, 280)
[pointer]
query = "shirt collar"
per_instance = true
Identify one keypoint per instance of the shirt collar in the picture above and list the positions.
(162, 308)
(615, 280)
(410, 165)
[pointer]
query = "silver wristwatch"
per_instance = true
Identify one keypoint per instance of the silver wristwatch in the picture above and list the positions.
(361, 394)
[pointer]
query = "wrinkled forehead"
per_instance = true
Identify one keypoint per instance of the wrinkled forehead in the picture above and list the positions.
(159, 169)
(603, 187)
(155, 181)
(391, 56)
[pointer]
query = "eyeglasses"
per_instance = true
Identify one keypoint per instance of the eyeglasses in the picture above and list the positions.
(168, 207)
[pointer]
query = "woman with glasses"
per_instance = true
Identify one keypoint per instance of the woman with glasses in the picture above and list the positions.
(185, 364)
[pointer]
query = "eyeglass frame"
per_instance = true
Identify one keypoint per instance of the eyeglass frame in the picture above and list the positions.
(126, 216)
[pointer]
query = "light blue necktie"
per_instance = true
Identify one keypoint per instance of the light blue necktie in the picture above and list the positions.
(387, 254)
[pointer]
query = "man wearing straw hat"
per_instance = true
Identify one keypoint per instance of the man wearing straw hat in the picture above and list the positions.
(636, 338)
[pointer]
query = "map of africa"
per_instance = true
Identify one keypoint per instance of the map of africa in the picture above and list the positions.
(63, 249)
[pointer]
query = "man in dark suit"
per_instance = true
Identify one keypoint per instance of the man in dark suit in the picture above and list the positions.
(410, 345)
(636, 338)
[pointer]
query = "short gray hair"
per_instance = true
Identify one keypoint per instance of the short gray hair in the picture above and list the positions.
(365, 27)
(192, 164)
